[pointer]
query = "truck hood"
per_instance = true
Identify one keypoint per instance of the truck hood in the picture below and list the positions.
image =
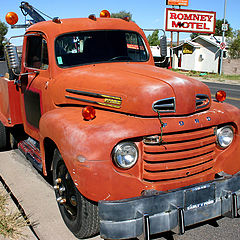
(137, 89)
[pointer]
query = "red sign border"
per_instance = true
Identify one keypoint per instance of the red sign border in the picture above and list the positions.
(189, 10)
(222, 45)
(178, 4)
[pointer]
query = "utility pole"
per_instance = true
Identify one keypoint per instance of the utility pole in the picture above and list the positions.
(223, 35)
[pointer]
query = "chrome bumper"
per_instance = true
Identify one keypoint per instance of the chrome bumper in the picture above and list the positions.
(164, 211)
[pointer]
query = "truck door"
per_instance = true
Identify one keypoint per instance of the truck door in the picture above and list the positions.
(33, 86)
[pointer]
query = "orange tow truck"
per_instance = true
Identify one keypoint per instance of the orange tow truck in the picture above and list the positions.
(132, 148)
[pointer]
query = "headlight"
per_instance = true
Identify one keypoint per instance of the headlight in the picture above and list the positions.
(125, 154)
(225, 136)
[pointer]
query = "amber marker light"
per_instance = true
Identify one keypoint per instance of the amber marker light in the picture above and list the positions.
(88, 113)
(126, 18)
(92, 17)
(220, 96)
(56, 20)
(11, 18)
(105, 14)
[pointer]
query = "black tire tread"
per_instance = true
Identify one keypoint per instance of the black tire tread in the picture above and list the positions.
(90, 225)
(3, 137)
(90, 217)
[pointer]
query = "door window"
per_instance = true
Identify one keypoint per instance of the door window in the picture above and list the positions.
(37, 54)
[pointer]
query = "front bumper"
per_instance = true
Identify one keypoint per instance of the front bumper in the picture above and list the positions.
(164, 211)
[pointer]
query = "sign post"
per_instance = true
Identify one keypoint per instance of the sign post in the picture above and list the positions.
(223, 34)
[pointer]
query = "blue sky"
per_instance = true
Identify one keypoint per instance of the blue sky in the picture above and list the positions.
(147, 14)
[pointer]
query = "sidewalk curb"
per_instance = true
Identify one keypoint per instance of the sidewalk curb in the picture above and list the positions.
(35, 195)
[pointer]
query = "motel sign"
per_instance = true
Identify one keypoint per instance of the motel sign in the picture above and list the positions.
(181, 20)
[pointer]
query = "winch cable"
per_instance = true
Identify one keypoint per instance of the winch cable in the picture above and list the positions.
(162, 124)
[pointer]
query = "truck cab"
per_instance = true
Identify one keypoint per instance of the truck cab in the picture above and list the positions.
(128, 144)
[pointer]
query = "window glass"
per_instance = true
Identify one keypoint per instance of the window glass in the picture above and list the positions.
(99, 46)
(37, 54)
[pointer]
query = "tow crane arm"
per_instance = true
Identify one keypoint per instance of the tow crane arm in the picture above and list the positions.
(28, 9)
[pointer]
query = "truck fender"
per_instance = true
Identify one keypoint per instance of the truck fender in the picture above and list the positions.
(86, 146)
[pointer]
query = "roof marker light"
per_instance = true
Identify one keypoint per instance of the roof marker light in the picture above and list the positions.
(126, 18)
(88, 113)
(11, 18)
(105, 14)
(56, 20)
(220, 96)
(92, 17)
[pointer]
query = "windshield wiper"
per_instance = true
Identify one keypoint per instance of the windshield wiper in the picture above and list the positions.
(120, 58)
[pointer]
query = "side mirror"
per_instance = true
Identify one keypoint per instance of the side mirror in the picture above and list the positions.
(163, 46)
(12, 57)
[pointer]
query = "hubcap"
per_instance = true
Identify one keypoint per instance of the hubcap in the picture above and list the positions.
(65, 191)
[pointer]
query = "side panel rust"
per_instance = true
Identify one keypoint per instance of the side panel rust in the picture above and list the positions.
(10, 111)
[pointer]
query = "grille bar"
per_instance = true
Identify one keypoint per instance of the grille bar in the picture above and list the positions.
(179, 146)
(154, 176)
(171, 156)
(165, 166)
(182, 155)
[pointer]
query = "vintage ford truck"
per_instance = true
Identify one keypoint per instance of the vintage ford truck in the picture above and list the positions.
(132, 148)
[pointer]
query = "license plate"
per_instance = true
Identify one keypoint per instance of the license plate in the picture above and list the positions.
(199, 196)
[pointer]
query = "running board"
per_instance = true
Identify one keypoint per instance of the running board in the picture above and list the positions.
(30, 148)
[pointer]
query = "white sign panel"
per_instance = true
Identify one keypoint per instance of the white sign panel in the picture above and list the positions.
(224, 27)
(182, 20)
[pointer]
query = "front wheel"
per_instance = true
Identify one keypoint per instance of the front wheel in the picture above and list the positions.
(79, 214)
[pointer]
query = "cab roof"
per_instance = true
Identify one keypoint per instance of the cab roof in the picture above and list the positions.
(53, 29)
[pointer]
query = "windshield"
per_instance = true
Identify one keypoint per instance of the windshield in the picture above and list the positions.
(99, 46)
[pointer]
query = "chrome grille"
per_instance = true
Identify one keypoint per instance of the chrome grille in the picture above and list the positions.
(202, 101)
(164, 105)
(181, 155)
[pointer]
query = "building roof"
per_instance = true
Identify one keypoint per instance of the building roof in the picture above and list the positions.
(214, 40)
(193, 44)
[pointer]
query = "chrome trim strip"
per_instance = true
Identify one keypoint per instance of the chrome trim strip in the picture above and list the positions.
(172, 105)
(202, 97)
(93, 102)
(90, 94)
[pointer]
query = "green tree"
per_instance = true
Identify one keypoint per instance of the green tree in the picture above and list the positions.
(234, 46)
(153, 38)
(3, 32)
(218, 30)
(122, 14)
(194, 35)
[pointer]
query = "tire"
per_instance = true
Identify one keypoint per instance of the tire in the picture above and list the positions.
(3, 137)
(79, 214)
(12, 141)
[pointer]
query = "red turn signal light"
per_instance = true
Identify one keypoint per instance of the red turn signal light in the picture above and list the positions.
(105, 14)
(88, 113)
(220, 96)
(11, 18)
